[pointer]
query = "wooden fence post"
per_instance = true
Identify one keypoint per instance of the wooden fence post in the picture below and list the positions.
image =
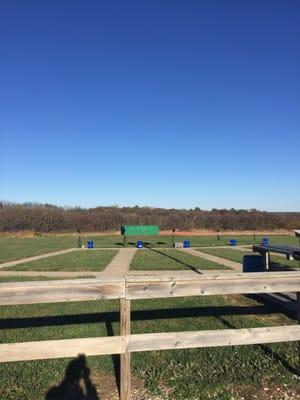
(298, 318)
(267, 260)
(125, 374)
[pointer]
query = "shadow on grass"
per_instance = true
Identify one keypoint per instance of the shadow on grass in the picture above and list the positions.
(274, 266)
(277, 305)
(76, 385)
(78, 375)
(115, 357)
(191, 267)
(140, 315)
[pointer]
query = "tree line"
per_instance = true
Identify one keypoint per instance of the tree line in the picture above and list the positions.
(49, 218)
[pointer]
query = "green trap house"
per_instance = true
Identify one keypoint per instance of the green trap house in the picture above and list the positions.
(138, 230)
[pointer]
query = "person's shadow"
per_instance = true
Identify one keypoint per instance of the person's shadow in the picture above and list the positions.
(76, 385)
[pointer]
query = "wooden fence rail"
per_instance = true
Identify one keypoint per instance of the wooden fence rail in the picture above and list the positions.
(146, 287)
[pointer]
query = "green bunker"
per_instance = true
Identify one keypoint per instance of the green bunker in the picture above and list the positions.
(138, 230)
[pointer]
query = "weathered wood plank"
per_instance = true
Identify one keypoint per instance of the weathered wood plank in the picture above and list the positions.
(208, 275)
(146, 342)
(57, 282)
(61, 290)
(146, 287)
(224, 337)
(125, 375)
(203, 287)
(47, 349)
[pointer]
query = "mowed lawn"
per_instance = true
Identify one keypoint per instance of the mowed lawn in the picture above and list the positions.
(14, 248)
(237, 255)
(158, 260)
(202, 241)
(82, 260)
(213, 373)
(4, 279)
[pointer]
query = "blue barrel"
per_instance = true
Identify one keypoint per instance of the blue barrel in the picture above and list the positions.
(139, 244)
(233, 242)
(253, 263)
(265, 241)
(186, 243)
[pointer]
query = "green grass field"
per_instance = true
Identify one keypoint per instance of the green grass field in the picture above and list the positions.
(13, 248)
(237, 255)
(199, 241)
(212, 373)
(199, 374)
(170, 260)
(4, 279)
(76, 261)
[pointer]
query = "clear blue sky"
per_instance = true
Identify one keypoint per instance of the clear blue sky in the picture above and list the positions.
(161, 103)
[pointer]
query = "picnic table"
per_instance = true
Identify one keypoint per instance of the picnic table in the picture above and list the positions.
(291, 252)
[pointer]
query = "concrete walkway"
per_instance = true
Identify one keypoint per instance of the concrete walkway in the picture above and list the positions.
(119, 265)
(242, 248)
(219, 260)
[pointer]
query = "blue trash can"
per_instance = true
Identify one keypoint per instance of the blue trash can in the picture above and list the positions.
(233, 242)
(90, 244)
(253, 263)
(186, 243)
(265, 241)
(139, 244)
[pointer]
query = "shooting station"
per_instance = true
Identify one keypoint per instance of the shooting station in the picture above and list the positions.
(138, 230)
(291, 252)
(297, 234)
(137, 288)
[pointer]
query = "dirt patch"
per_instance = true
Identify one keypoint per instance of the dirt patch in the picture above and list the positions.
(94, 386)
(30, 234)
(107, 390)
(234, 299)
(270, 318)
(106, 387)
(266, 392)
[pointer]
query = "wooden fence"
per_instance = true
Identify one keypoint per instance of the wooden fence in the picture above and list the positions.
(146, 287)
